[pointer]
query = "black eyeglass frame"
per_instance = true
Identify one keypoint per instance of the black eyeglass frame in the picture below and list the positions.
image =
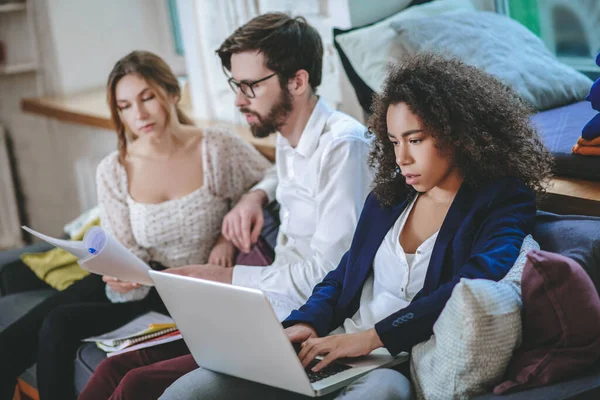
(239, 86)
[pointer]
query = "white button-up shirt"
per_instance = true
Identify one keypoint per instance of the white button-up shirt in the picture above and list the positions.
(395, 279)
(321, 186)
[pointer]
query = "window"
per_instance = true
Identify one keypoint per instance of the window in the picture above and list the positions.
(569, 28)
(175, 26)
(169, 33)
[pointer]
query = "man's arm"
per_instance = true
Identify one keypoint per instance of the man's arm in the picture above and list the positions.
(343, 185)
(243, 224)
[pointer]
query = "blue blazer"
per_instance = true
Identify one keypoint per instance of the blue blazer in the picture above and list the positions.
(480, 238)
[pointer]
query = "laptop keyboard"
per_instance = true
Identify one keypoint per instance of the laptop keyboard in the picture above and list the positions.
(326, 372)
(331, 369)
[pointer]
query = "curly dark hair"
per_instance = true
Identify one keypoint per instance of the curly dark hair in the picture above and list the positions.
(476, 119)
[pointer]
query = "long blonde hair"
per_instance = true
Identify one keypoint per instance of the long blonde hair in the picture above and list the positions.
(158, 75)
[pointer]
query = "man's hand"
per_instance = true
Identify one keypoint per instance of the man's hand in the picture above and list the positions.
(338, 346)
(119, 286)
(209, 272)
(300, 332)
(243, 224)
(222, 254)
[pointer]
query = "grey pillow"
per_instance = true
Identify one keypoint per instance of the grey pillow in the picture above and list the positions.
(573, 236)
(474, 337)
(502, 47)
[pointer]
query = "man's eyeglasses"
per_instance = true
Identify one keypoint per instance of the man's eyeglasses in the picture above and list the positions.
(246, 87)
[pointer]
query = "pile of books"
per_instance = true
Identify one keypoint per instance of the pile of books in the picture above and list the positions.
(148, 330)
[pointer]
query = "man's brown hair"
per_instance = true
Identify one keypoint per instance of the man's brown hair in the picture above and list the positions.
(288, 44)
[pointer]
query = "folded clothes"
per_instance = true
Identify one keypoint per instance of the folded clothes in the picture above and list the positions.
(56, 267)
(582, 142)
(586, 150)
(591, 130)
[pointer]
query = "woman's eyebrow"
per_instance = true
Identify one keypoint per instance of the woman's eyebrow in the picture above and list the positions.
(404, 134)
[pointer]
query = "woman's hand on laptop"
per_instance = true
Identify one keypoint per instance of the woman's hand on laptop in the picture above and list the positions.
(119, 286)
(338, 346)
(210, 272)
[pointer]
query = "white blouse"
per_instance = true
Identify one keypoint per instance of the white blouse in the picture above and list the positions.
(184, 230)
(395, 279)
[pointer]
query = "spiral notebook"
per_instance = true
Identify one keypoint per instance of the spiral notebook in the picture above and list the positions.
(124, 343)
(145, 327)
(166, 338)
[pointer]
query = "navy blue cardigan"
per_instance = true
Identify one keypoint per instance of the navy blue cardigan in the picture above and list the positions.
(480, 238)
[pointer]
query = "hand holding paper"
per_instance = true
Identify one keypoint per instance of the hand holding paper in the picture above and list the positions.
(102, 254)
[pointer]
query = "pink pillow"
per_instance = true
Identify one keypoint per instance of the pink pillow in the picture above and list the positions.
(561, 323)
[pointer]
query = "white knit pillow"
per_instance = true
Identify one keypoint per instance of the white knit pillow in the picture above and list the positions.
(474, 337)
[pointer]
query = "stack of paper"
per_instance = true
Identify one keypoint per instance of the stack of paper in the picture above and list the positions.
(147, 330)
(102, 254)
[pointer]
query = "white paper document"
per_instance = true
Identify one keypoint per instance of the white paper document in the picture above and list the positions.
(102, 254)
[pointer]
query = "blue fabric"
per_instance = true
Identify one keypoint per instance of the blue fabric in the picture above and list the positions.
(480, 238)
(594, 95)
(591, 130)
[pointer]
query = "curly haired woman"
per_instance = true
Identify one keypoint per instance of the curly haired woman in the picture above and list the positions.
(459, 167)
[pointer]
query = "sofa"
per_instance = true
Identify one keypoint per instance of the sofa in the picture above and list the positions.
(577, 237)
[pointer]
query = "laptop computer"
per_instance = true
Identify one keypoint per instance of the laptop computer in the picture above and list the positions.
(234, 330)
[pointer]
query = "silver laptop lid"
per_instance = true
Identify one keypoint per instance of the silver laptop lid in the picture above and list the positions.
(232, 330)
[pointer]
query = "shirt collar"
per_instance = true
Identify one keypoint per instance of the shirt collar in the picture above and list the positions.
(309, 140)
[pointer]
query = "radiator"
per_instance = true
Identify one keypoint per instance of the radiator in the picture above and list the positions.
(10, 229)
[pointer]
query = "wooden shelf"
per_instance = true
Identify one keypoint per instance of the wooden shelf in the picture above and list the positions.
(11, 7)
(90, 108)
(573, 196)
(18, 68)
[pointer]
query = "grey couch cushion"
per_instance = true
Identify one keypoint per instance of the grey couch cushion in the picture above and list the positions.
(574, 236)
(15, 305)
(17, 277)
(9, 256)
(88, 358)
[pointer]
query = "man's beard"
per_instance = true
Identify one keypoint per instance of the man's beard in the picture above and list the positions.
(276, 117)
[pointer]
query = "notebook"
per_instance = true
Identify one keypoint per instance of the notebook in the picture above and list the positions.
(143, 328)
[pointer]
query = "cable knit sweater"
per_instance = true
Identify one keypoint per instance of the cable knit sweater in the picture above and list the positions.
(180, 231)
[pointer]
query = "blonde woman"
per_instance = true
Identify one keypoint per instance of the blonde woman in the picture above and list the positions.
(163, 195)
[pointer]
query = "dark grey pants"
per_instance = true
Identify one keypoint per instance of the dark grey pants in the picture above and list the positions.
(203, 384)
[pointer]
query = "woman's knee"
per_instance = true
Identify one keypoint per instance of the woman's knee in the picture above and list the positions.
(381, 383)
(133, 384)
(103, 382)
(109, 370)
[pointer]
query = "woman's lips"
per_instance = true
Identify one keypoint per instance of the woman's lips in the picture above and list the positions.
(147, 128)
(411, 179)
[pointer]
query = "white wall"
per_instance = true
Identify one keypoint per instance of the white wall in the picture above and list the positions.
(90, 36)
(78, 43)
